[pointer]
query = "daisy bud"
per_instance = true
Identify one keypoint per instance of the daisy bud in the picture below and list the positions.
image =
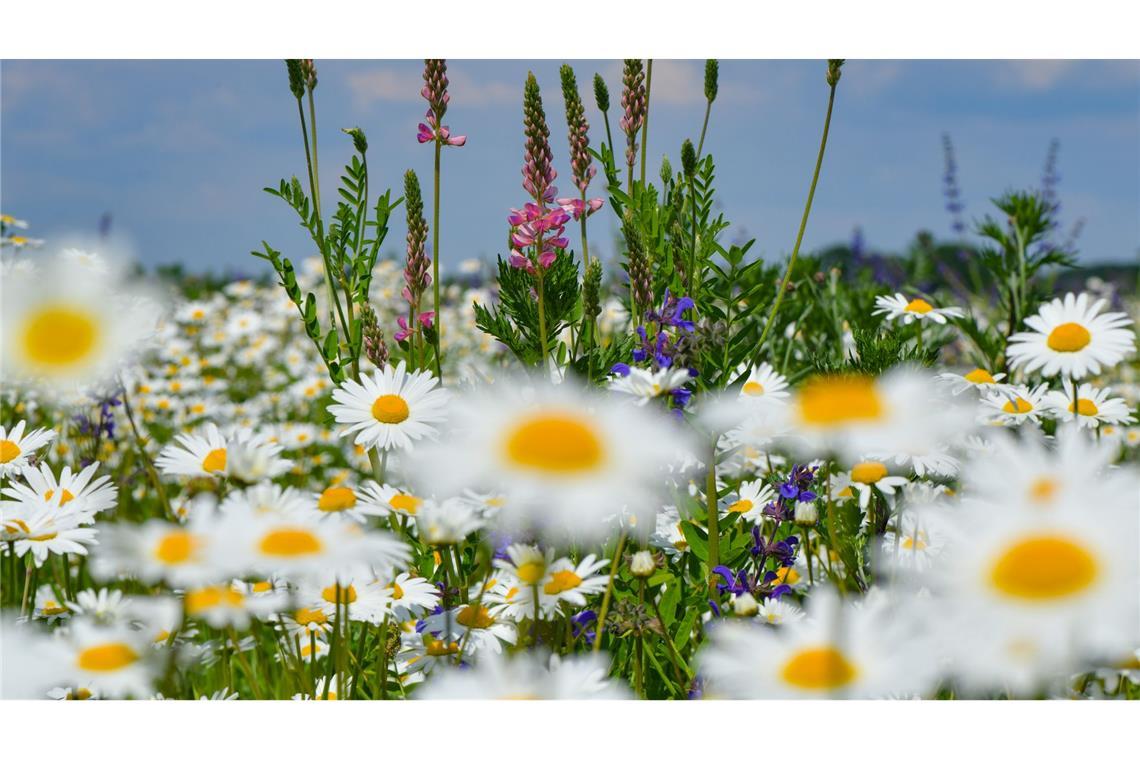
(745, 606)
(688, 159)
(833, 70)
(601, 94)
(712, 72)
(807, 513)
(642, 564)
(296, 77)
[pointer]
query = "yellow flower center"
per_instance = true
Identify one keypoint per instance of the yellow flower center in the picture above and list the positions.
(209, 597)
(979, 376)
(290, 542)
(531, 573)
(347, 594)
(788, 575)
(397, 592)
(1085, 407)
(261, 587)
(104, 658)
(404, 502)
(437, 648)
(918, 306)
(390, 409)
(563, 580)
(306, 617)
(59, 337)
(215, 461)
(1017, 406)
(741, 506)
(65, 497)
(845, 493)
(555, 443)
(176, 547)
(1044, 568)
(474, 616)
(818, 668)
(1068, 338)
(336, 499)
(914, 543)
(868, 472)
(838, 400)
(8, 451)
(753, 388)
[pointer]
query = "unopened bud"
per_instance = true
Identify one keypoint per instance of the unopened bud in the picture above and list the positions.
(807, 513)
(834, 70)
(688, 159)
(745, 606)
(601, 93)
(296, 77)
(642, 565)
(712, 73)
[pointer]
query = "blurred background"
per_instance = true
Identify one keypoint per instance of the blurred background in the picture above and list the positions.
(168, 159)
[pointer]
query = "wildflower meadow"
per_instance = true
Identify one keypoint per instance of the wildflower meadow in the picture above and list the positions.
(677, 470)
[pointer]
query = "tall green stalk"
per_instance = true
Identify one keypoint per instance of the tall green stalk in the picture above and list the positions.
(435, 265)
(833, 80)
(645, 124)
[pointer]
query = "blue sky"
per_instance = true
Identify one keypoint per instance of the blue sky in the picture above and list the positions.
(178, 151)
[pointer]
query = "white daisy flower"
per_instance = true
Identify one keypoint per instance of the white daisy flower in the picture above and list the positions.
(113, 660)
(1094, 406)
(645, 385)
(907, 310)
(1070, 336)
(412, 596)
(839, 650)
(484, 629)
(527, 676)
(749, 502)
(384, 499)
(667, 533)
(447, 522)
(194, 455)
(868, 476)
(15, 447)
(977, 378)
(79, 494)
(764, 383)
(391, 408)
(562, 457)
(42, 533)
(1014, 406)
(779, 612)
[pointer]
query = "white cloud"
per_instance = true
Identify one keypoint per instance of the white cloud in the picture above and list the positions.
(1035, 76)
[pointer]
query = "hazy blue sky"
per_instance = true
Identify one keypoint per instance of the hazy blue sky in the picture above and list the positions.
(178, 151)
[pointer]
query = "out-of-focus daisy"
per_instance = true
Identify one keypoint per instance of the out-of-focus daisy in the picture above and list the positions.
(447, 522)
(764, 383)
(907, 310)
(527, 676)
(364, 601)
(385, 499)
(839, 650)
(42, 533)
(1047, 587)
(749, 501)
(65, 328)
(15, 447)
(562, 457)
(195, 455)
(268, 497)
(902, 411)
(252, 458)
(913, 544)
(1015, 405)
(485, 630)
(391, 408)
(114, 660)
(1094, 406)
(159, 550)
(778, 612)
(48, 606)
(977, 378)
(667, 533)
(1072, 337)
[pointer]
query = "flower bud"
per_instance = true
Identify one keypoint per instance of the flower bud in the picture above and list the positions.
(642, 565)
(745, 606)
(807, 513)
(688, 159)
(296, 77)
(834, 66)
(601, 93)
(712, 73)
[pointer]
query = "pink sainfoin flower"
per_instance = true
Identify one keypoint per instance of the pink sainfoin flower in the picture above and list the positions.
(538, 167)
(426, 319)
(435, 93)
(578, 208)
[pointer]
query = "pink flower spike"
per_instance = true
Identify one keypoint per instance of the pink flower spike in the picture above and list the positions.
(426, 318)
(547, 258)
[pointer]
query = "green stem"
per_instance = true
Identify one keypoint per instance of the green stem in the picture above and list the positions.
(585, 243)
(645, 124)
(609, 137)
(541, 319)
(435, 266)
(713, 524)
(609, 593)
(155, 481)
(704, 128)
(803, 220)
